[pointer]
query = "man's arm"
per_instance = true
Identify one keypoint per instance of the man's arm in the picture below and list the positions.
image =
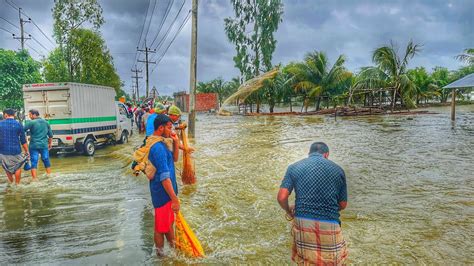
(342, 197)
(170, 191)
(282, 199)
(23, 142)
(50, 137)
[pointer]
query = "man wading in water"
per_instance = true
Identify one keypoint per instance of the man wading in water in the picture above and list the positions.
(321, 192)
(40, 142)
(12, 136)
(163, 186)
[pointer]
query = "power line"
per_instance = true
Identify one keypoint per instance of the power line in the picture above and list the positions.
(172, 40)
(168, 8)
(143, 27)
(7, 31)
(10, 23)
(32, 21)
(158, 46)
(151, 18)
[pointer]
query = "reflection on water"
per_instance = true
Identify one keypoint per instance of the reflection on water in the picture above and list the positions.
(410, 194)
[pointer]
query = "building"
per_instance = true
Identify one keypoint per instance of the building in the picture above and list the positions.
(205, 102)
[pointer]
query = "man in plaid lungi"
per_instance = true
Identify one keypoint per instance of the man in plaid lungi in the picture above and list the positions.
(321, 193)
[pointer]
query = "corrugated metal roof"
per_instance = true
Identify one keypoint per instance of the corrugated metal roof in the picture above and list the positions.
(466, 82)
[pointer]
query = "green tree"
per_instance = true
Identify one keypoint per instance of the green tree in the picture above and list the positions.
(467, 56)
(423, 83)
(92, 63)
(16, 68)
(251, 31)
(55, 67)
(391, 72)
(70, 15)
(278, 89)
(220, 86)
(315, 77)
(440, 78)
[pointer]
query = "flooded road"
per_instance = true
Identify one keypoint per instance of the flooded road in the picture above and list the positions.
(410, 182)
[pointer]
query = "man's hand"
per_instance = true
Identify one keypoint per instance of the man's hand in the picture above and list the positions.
(291, 212)
(175, 205)
(174, 136)
(50, 145)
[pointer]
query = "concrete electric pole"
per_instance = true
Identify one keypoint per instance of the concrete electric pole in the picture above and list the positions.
(193, 73)
(136, 77)
(22, 37)
(147, 51)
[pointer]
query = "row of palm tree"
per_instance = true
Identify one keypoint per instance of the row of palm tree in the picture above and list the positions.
(388, 81)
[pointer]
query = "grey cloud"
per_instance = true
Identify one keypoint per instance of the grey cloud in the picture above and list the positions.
(349, 27)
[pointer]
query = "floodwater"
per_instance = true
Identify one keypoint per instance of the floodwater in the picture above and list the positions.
(410, 181)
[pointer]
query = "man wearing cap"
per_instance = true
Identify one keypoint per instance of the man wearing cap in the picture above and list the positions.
(163, 186)
(159, 109)
(41, 138)
(12, 136)
(321, 193)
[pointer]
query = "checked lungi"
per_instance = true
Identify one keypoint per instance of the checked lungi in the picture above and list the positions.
(318, 243)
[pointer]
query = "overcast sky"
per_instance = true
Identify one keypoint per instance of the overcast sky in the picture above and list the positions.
(353, 28)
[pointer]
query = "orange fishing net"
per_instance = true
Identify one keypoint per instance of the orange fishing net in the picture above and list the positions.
(185, 240)
(188, 175)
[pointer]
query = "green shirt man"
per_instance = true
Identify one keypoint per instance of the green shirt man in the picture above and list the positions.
(40, 133)
(41, 138)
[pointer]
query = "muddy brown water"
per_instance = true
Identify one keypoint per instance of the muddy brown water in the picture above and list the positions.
(410, 181)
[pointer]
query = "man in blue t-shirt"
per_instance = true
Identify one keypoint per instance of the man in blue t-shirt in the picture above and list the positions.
(12, 137)
(320, 194)
(163, 186)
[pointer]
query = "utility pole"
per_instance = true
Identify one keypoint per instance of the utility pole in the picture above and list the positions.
(22, 37)
(193, 72)
(147, 51)
(136, 77)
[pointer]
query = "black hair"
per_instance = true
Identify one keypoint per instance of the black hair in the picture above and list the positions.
(161, 120)
(34, 112)
(9, 112)
(319, 147)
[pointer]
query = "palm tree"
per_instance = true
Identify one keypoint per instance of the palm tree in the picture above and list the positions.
(314, 77)
(467, 56)
(277, 89)
(390, 72)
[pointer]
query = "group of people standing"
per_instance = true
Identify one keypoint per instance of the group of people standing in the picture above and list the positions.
(13, 140)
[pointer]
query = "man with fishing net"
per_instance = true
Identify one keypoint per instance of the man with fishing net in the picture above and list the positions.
(321, 193)
(163, 186)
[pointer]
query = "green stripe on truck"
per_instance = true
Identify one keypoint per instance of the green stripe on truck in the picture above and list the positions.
(81, 120)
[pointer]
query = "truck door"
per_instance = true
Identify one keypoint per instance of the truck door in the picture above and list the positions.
(123, 122)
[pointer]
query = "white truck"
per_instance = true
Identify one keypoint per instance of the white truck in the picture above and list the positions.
(81, 116)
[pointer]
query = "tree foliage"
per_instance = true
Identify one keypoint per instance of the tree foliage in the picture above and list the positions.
(17, 69)
(315, 77)
(391, 72)
(255, 49)
(69, 16)
(92, 62)
(220, 86)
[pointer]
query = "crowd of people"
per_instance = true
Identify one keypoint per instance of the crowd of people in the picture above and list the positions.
(318, 183)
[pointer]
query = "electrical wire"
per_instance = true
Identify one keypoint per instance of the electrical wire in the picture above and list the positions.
(172, 40)
(168, 8)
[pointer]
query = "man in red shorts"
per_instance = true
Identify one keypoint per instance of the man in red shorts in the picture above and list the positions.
(163, 186)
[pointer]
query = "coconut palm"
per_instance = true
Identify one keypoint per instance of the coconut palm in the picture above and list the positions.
(467, 56)
(390, 72)
(314, 77)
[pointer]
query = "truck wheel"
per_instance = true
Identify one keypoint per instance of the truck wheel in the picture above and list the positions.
(124, 137)
(89, 147)
(53, 152)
